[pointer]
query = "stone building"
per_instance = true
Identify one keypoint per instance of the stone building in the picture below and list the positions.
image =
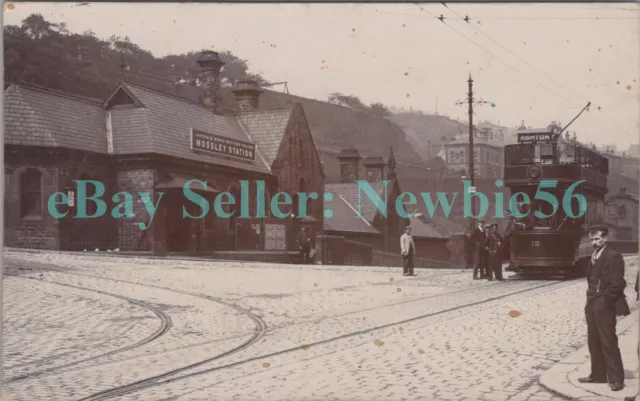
(621, 215)
(149, 144)
(356, 217)
(488, 153)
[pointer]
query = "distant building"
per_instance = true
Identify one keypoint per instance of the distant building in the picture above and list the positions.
(622, 216)
(488, 152)
(356, 217)
(623, 164)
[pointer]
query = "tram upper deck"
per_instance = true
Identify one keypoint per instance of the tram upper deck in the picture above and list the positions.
(549, 156)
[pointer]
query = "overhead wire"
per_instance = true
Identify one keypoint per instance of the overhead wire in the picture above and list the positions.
(498, 58)
(541, 72)
(467, 19)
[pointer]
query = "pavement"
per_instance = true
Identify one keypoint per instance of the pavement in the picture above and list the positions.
(562, 378)
(78, 325)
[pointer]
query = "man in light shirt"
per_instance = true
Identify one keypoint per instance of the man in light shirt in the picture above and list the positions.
(408, 249)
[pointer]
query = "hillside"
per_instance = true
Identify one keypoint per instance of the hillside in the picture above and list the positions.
(428, 132)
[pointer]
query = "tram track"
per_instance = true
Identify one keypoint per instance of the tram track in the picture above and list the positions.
(165, 325)
(190, 370)
(170, 376)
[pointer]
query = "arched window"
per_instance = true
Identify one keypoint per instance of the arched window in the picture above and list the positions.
(301, 154)
(31, 193)
(622, 212)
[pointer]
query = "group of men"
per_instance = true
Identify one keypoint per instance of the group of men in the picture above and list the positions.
(489, 248)
(605, 295)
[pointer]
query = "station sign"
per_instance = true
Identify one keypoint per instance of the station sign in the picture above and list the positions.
(533, 138)
(206, 142)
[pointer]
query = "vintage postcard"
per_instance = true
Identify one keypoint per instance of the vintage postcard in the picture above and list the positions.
(420, 201)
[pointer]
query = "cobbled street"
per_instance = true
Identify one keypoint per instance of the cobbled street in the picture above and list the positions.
(85, 327)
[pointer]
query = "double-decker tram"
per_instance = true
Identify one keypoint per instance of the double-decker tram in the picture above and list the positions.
(557, 190)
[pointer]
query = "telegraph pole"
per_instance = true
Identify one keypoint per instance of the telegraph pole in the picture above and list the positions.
(471, 102)
(471, 167)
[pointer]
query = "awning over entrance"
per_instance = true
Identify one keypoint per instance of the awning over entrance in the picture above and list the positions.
(179, 182)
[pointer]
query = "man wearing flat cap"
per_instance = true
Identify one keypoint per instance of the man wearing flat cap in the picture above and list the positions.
(605, 301)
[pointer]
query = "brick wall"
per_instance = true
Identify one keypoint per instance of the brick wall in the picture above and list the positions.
(298, 159)
(432, 249)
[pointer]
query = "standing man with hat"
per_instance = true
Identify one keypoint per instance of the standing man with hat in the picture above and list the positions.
(408, 249)
(605, 301)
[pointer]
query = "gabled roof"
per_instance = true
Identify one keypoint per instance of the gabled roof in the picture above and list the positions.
(345, 218)
(36, 116)
(350, 193)
(266, 128)
(162, 124)
(333, 125)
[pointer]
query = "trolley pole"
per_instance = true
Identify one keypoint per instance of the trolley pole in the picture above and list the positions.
(471, 167)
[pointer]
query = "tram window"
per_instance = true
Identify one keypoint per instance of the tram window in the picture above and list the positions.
(545, 152)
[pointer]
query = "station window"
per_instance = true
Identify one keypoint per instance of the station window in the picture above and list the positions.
(31, 193)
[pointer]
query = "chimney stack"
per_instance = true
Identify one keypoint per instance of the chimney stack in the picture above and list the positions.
(210, 64)
(349, 165)
(375, 168)
(247, 92)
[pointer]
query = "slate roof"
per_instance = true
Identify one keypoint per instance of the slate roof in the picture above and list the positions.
(36, 116)
(266, 128)
(422, 229)
(345, 218)
(335, 127)
(160, 123)
(164, 126)
(349, 192)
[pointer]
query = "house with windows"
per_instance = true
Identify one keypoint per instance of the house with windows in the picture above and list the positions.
(488, 152)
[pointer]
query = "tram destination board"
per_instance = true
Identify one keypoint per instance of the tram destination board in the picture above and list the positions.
(533, 138)
(206, 142)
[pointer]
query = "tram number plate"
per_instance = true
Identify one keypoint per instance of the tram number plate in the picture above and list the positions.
(535, 243)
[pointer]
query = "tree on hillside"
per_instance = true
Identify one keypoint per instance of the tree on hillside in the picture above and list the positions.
(47, 54)
(235, 68)
(352, 102)
(379, 109)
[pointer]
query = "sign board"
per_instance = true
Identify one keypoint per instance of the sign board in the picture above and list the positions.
(531, 138)
(274, 237)
(211, 143)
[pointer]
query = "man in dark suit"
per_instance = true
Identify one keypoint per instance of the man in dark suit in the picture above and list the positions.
(477, 240)
(605, 301)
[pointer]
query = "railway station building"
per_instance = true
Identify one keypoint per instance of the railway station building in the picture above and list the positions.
(145, 142)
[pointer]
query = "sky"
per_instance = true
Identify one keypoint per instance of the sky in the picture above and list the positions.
(536, 62)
